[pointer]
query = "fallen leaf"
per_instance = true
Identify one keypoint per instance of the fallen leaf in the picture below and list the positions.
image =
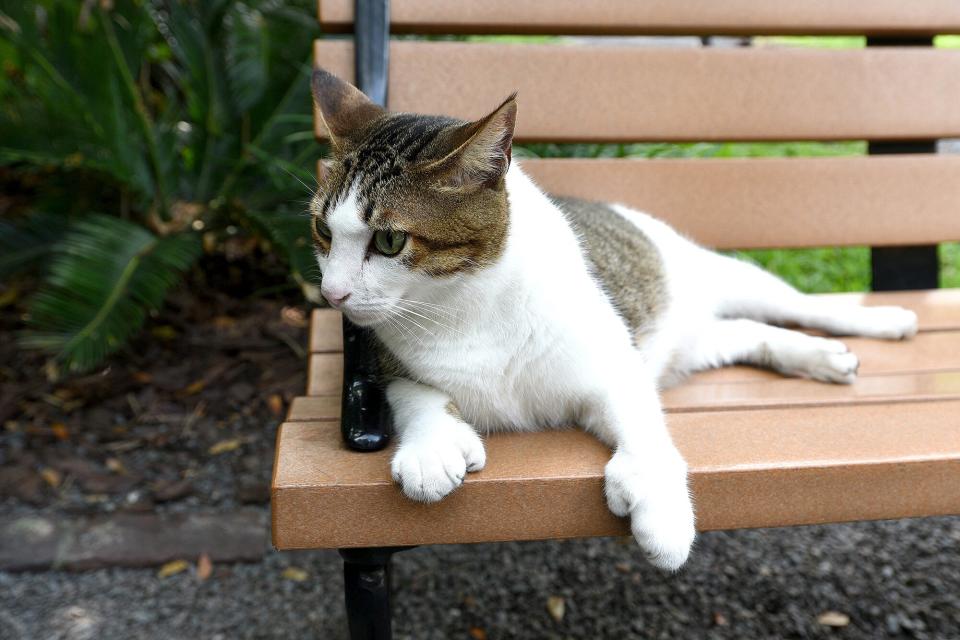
(224, 446)
(622, 567)
(9, 296)
(172, 568)
(204, 567)
(833, 619)
(51, 477)
(296, 574)
(60, 431)
(294, 317)
(275, 402)
(116, 466)
(142, 377)
(556, 606)
(195, 387)
(477, 633)
(164, 332)
(224, 322)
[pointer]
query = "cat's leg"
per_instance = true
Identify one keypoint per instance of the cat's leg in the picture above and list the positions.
(792, 353)
(436, 448)
(646, 479)
(747, 291)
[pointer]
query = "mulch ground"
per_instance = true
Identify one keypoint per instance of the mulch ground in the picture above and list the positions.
(184, 418)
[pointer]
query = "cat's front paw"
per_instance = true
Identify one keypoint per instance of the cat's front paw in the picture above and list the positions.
(653, 493)
(428, 469)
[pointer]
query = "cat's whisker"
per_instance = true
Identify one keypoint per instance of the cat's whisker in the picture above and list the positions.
(406, 331)
(433, 320)
(402, 311)
(427, 308)
(309, 189)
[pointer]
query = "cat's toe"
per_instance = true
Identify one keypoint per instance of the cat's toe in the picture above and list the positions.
(840, 368)
(474, 454)
(665, 531)
(428, 473)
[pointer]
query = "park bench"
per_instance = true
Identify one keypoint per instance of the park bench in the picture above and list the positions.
(763, 451)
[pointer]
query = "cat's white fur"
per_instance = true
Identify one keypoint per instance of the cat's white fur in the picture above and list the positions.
(532, 341)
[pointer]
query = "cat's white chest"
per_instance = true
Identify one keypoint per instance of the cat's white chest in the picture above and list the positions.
(495, 368)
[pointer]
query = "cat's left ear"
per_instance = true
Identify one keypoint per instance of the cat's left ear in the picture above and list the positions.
(478, 153)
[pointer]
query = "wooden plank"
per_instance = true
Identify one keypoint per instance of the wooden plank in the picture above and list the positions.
(927, 352)
(326, 331)
(619, 93)
(776, 202)
(748, 469)
(314, 408)
(770, 392)
(325, 374)
(793, 392)
(936, 309)
(659, 17)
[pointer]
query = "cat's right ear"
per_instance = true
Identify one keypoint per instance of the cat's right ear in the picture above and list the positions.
(343, 108)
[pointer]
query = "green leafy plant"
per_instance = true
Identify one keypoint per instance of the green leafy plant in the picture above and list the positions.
(165, 126)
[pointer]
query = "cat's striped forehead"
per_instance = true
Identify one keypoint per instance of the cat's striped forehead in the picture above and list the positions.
(387, 149)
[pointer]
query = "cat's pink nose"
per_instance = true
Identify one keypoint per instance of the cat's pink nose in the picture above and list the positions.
(335, 297)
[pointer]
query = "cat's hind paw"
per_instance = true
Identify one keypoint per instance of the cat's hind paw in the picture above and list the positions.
(888, 323)
(656, 499)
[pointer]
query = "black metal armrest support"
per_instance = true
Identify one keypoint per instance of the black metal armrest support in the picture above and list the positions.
(365, 417)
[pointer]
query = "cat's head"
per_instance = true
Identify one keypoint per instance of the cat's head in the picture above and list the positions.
(407, 203)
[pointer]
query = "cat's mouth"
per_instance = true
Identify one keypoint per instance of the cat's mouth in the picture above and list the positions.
(363, 317)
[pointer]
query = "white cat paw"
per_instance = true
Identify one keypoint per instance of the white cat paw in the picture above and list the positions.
(430, 468)
(889, 323)
(655, 496)
(833, 362)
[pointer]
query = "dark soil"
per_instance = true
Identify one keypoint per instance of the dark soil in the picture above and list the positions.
(184, 417)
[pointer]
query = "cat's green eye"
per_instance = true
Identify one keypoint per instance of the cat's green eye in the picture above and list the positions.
(389, 243)
(322, 229)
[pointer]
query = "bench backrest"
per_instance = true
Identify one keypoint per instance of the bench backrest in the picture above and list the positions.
(900, 98)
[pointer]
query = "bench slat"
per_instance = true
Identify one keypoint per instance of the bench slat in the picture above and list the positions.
(937, 310)
(676, 94)
(667, 17)
(749, 469)
(730, 203)
(793, 392)
(772, 391)
(927, 352)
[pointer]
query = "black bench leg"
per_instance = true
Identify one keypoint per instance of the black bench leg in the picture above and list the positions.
(366, 586)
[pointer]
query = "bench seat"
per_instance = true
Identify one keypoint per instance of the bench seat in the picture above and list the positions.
(763, 451)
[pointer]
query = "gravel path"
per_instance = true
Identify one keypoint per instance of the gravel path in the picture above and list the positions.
(891, 579)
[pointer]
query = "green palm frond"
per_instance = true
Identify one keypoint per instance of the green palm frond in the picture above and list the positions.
(247, 55)
(151, 107)
(289, 233)
(26, 245)
(107, 275)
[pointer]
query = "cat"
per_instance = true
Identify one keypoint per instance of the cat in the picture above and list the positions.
(502, 308)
